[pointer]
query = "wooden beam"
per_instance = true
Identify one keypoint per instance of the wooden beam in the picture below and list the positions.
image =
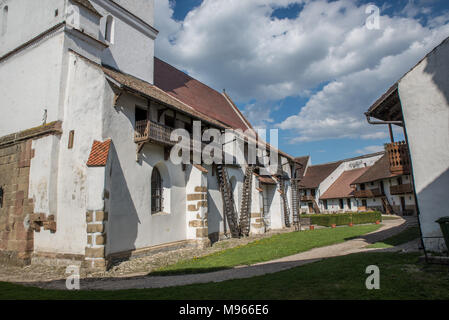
(391, 132)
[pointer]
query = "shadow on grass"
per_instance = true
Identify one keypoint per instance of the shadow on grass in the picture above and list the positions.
(177, 272)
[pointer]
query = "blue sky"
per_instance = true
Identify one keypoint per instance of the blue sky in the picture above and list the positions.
(308, 67)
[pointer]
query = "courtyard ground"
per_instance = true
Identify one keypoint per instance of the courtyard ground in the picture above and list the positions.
(389, 231)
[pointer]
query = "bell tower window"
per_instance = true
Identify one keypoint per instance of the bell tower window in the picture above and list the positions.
(109, 29)
(4, 24)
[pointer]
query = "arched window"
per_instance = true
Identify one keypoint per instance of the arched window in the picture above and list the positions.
(156, 192)
(109, 30)
(4, 20)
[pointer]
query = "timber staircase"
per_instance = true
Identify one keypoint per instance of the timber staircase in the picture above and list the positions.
(387, 206)
(316, 209)
(228, 201)
(284, 202)
(245, 209)
(295, 205)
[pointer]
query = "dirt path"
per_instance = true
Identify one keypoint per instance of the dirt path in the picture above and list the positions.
(389, 228)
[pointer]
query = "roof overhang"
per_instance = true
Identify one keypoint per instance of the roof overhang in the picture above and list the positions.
(387, 107)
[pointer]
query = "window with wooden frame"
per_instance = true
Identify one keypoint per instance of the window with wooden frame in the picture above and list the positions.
(156, 192)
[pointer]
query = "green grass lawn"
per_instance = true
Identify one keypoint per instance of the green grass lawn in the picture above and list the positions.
(277, 246)
(401, 238)
(401, 277)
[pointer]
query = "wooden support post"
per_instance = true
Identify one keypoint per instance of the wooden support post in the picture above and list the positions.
(391, 132)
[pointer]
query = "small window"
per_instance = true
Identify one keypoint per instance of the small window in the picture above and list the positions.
(341, 204)
(169, 121)
(1, 197)
(71, 139)
(141, 114)
(4, 20)
(349, 203)
(325, 204)
(312, 192)
(156, 192)
(109, 30)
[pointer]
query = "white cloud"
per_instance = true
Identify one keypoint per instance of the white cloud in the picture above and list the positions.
(237, 45)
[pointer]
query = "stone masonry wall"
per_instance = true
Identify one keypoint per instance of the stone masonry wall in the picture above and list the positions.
(96, 240)
(16, 236)
(197, 213)
(18, 221)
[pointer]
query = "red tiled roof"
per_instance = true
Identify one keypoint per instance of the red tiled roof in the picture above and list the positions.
(99, 154)
(156, 93)
(380, 170)
(265, 179)
(316, 174)
(196, 94)
(341, 188)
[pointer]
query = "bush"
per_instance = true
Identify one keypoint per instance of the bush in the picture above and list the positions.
(341, 219)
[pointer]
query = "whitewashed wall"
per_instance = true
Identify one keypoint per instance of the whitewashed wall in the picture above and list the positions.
(30, 83)
(424, 94)
(130, 51)
(27, 19)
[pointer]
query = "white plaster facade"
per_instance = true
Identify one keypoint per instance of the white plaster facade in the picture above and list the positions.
(60, 72)
(424, 95)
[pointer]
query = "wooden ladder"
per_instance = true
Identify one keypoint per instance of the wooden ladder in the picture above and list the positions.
(245, 212)
(228, 201)
(295, 205)
(284, 202)
(315, 207)
(387, 206)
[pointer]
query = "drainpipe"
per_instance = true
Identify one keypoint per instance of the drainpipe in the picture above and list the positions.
(368, 118)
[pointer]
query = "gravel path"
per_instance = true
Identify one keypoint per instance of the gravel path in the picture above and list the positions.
(389, 228)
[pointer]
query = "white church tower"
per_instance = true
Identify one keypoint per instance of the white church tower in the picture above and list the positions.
(56, 101)
(35, 39)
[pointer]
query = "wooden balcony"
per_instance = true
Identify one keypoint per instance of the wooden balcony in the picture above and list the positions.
(399, 158)
(401, 189)
(152, 131)
(369, 193)
(307, 198)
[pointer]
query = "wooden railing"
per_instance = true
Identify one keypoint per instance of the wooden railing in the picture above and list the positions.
(369, 193)
(150, 130)
(307, 198)
(398, 156)
(401, 189)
